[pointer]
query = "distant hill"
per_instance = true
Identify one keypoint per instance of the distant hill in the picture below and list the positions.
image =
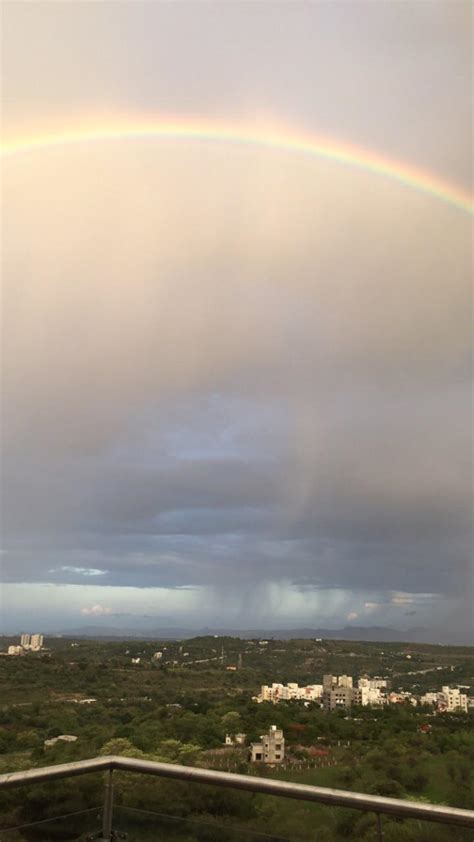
(374, 634)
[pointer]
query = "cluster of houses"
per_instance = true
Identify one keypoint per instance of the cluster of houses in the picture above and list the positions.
(335, 691)
(338, 691)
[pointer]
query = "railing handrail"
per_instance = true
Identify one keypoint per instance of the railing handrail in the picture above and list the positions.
(324, 795)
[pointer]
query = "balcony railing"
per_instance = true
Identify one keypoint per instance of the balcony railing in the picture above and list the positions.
(334, 797)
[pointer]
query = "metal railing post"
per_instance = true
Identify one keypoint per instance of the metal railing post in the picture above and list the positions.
(380, 833)
(108, 806)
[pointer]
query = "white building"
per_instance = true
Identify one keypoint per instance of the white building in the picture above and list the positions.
(270, 694)
(25, 640)
(429, 699)
(312, 692)
(15, 650)
(451, 699)
(288, 692)
(36, 641)
(368, 696)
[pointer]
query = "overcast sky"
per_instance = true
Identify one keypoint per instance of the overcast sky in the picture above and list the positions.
(236, 381)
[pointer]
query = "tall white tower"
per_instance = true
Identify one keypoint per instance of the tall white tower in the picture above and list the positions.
(36, 641)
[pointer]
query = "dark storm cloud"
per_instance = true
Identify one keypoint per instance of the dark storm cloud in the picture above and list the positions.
(175, 520)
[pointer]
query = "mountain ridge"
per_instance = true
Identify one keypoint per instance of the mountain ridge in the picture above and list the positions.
(374, 634)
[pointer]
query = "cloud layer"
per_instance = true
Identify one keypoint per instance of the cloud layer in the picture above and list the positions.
(238, 371)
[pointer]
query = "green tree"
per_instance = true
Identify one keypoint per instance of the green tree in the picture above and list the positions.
(121, 747)
(232, 722)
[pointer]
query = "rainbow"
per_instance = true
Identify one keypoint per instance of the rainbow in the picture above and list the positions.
(277, 139)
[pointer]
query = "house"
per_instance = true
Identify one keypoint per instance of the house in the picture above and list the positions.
(271, 749)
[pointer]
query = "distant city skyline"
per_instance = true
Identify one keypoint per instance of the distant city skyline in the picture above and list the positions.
(237, 377)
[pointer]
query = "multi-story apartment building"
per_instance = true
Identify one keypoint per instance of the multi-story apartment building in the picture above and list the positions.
(368, 696)
(337, 691)
(337, 697)
(37, 641)
(271, 749)
(286, 692)
(311, 693)
(25, 640)
(337, 681)
(451, 699)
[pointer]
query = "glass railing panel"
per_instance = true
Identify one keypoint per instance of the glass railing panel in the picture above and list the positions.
(148, 807)
(139, 825)
(70, 827)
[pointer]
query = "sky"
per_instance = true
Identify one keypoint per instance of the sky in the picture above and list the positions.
(236, 384)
